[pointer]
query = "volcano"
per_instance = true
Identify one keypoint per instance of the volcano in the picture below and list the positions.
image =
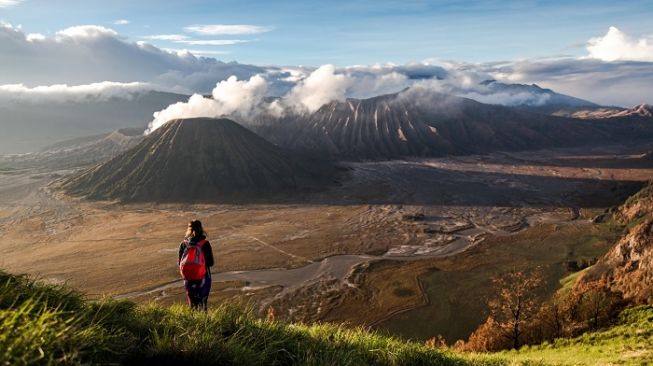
(199, 160)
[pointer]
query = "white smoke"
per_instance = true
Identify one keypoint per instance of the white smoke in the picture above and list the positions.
(245, 98)
(229, 97)
(319, 88)
(309, 90)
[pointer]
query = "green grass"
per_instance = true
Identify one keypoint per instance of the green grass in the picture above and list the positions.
(630, 342)
(52, 325)
(568, 282)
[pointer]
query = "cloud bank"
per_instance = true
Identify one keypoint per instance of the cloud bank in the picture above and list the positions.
(91, 61)
(89, 54)
(75, 93)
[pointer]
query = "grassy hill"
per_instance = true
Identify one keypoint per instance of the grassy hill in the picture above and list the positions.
(49, 325)
(52, 325)
(629, 342)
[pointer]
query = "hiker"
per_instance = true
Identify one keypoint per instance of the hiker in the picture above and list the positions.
(195, 262)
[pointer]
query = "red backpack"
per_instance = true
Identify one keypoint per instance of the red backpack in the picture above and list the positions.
(193, 264)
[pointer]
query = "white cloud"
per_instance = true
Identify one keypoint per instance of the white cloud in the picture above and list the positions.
(191, 52)
(212, 42)
(86, 55)
(8, 3)
(89, 54)
(85, 32)
(226, 29)
(35, 37)
(623, 83)
(66, 93)
(121, 22)
(617, 45)
(183, 39)
(167, 37)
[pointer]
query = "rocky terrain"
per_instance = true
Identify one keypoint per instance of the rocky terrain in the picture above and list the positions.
(642, 111)
(628, 267)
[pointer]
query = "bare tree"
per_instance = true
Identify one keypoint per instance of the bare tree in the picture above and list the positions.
(598, 302)
(515, 304)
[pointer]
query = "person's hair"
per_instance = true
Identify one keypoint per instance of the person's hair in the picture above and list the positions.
(195, 229)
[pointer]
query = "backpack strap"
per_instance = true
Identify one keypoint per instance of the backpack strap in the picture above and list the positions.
(201, 243)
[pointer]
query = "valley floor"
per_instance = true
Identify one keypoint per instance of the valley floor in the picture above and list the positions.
(394, 244)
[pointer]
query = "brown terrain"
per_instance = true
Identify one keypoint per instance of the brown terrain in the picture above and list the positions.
(639, 111)
(628, 267)
(399, 242)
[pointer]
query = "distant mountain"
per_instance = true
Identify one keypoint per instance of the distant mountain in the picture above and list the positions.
(414, 124)
(31, 126)
(77, 152)
(199, 160)
(534, 98)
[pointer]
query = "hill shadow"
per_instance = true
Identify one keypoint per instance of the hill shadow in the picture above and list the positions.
(407, 183)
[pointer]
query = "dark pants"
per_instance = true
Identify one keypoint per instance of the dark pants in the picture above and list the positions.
(197, 292)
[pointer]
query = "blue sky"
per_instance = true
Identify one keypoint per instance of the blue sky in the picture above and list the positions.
(343, 33)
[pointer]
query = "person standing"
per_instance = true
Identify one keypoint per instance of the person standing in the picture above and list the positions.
(195, 262)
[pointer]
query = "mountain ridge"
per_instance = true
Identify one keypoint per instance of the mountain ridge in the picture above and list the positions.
(417, 124)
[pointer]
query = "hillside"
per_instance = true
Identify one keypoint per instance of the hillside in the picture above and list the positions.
(628, 267)
(52, 325)
(628, 342)
(199, 159)
(413, 123)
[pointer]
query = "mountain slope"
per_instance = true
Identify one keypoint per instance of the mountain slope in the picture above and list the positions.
(628, 267)
(198, 159)
(415, 124)
(53, 325)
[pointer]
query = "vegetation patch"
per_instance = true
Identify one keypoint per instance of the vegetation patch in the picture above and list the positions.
(628, 343)
(52, 325)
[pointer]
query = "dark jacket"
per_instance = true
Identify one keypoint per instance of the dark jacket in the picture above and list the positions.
(208, 251)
